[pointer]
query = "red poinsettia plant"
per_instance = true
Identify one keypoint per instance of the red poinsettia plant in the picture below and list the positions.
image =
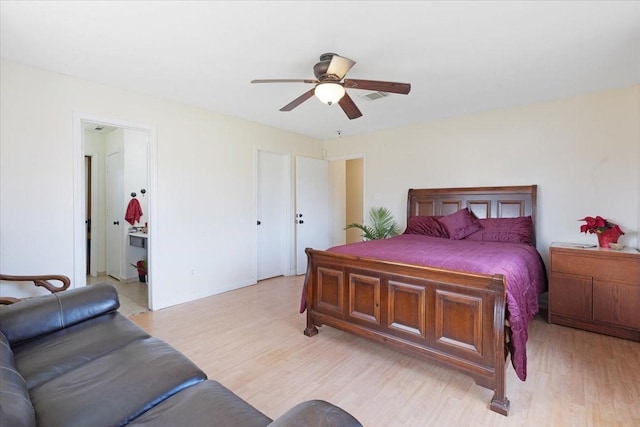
(598, 225)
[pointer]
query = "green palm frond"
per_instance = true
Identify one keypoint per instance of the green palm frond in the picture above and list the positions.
(382, 225)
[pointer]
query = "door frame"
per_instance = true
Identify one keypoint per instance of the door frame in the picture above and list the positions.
(79, 235)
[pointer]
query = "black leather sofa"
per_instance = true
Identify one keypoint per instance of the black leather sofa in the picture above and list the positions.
(70, 359)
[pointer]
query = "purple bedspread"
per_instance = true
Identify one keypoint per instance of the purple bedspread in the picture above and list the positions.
(520, 264)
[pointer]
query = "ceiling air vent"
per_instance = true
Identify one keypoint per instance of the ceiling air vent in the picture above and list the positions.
(375, 95)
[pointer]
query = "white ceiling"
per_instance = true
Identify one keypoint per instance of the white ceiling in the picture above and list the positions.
(460, 57)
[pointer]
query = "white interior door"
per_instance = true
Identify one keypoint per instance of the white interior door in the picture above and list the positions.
(115, 215)
(273, 201)
(312, 208)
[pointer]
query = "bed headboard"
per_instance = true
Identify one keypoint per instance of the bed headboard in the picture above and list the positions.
(484, 202)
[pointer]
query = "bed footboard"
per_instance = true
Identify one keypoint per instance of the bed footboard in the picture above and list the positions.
(450, 317)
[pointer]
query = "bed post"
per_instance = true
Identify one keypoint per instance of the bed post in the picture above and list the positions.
(309, 284)
(499, 402)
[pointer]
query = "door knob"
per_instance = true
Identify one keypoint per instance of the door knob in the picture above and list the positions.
(116, 222)
(299, 221)
(259, 223)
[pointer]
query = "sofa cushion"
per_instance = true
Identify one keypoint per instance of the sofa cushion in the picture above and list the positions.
(206, 404)
(316, 413)
(54, 354)
(15, 406)
(115, 388)
(31, 318)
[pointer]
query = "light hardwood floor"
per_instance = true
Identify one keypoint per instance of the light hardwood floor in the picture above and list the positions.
(133, 296)
(251, 341)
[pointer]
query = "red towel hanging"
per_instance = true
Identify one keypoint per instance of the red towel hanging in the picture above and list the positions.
(134, 212)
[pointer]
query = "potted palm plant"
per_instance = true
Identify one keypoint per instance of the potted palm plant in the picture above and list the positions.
(382, 225)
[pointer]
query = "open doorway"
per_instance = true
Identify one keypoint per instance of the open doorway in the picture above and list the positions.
(354, 198)
(116, 174)
(347, 198)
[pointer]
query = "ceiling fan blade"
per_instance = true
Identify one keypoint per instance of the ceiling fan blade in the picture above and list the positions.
(349, 107)
(339, 66)
(299, 100)
(378, 86)
(284, 81)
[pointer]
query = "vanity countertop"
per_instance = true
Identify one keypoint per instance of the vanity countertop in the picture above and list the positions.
(138, 234)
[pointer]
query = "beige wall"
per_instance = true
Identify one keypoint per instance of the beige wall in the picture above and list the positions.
(582, 152)
(205, 191)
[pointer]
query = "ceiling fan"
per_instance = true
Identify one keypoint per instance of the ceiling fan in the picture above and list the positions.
(330, 86)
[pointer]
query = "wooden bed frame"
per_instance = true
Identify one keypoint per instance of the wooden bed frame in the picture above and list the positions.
(455, 318)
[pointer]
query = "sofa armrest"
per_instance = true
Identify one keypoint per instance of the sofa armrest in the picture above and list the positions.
(315, 413)
(37, 281)
(33, 317)
(16, 409)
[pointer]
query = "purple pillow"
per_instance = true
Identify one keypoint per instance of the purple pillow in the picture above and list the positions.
(460, 224)
(508, 230)
(426, 226)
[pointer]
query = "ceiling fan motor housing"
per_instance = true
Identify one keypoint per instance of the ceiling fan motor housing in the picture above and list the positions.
(320, 69)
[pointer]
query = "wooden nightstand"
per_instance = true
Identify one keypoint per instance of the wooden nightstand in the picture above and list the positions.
(595, 289)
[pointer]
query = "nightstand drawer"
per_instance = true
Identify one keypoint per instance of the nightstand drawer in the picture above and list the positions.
(597, 266)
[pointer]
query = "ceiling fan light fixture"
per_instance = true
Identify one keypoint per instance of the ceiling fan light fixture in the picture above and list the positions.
(329, 85)
(329, 92)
